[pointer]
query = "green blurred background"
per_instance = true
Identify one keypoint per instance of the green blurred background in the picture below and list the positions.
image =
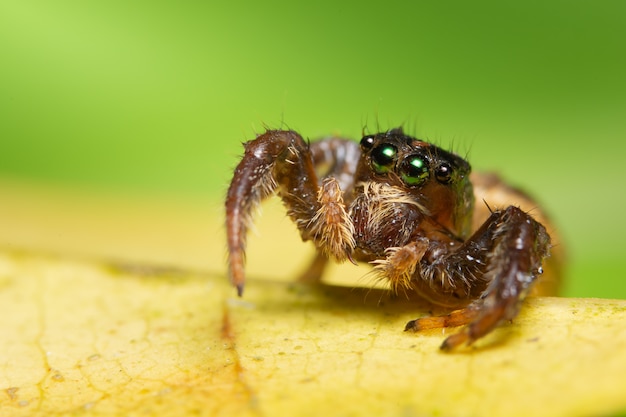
(156, 96)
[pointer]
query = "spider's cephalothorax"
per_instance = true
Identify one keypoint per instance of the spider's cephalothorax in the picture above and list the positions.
(407, 207)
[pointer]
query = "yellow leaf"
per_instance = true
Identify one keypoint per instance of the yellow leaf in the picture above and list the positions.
(84, 338)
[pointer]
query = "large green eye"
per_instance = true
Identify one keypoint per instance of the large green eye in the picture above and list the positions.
(383, 158)
(414, 170)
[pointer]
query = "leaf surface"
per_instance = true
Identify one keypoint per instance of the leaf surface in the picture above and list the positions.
(89, 338)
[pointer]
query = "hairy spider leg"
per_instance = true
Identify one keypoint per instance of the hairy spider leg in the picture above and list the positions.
(281, 161)
(510, 271)
(332, 157)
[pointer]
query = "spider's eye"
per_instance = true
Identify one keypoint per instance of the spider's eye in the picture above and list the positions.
(444, 173)
(367, 142)
(414, 170)
(383, 158)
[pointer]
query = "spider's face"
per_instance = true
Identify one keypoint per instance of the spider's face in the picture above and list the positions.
(437, 179)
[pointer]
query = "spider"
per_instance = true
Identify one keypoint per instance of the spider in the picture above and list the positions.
(405, 206)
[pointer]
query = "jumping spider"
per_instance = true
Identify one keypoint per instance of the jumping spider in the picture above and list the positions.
(407, 207)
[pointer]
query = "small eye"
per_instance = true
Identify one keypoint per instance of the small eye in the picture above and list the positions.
(383, 158)
(367, 142)
(444, 173)
(414, 170)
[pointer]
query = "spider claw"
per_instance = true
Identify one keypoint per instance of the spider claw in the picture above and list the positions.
(455, 341)
(413, 326)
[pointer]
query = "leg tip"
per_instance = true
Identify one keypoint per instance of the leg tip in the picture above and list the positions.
(454, 341)
(412, 326)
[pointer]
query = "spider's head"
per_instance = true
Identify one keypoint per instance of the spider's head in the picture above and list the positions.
(437, 179)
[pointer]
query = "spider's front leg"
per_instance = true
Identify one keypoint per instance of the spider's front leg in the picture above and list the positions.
(338, 158)
(511, 246)
(281, 161)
